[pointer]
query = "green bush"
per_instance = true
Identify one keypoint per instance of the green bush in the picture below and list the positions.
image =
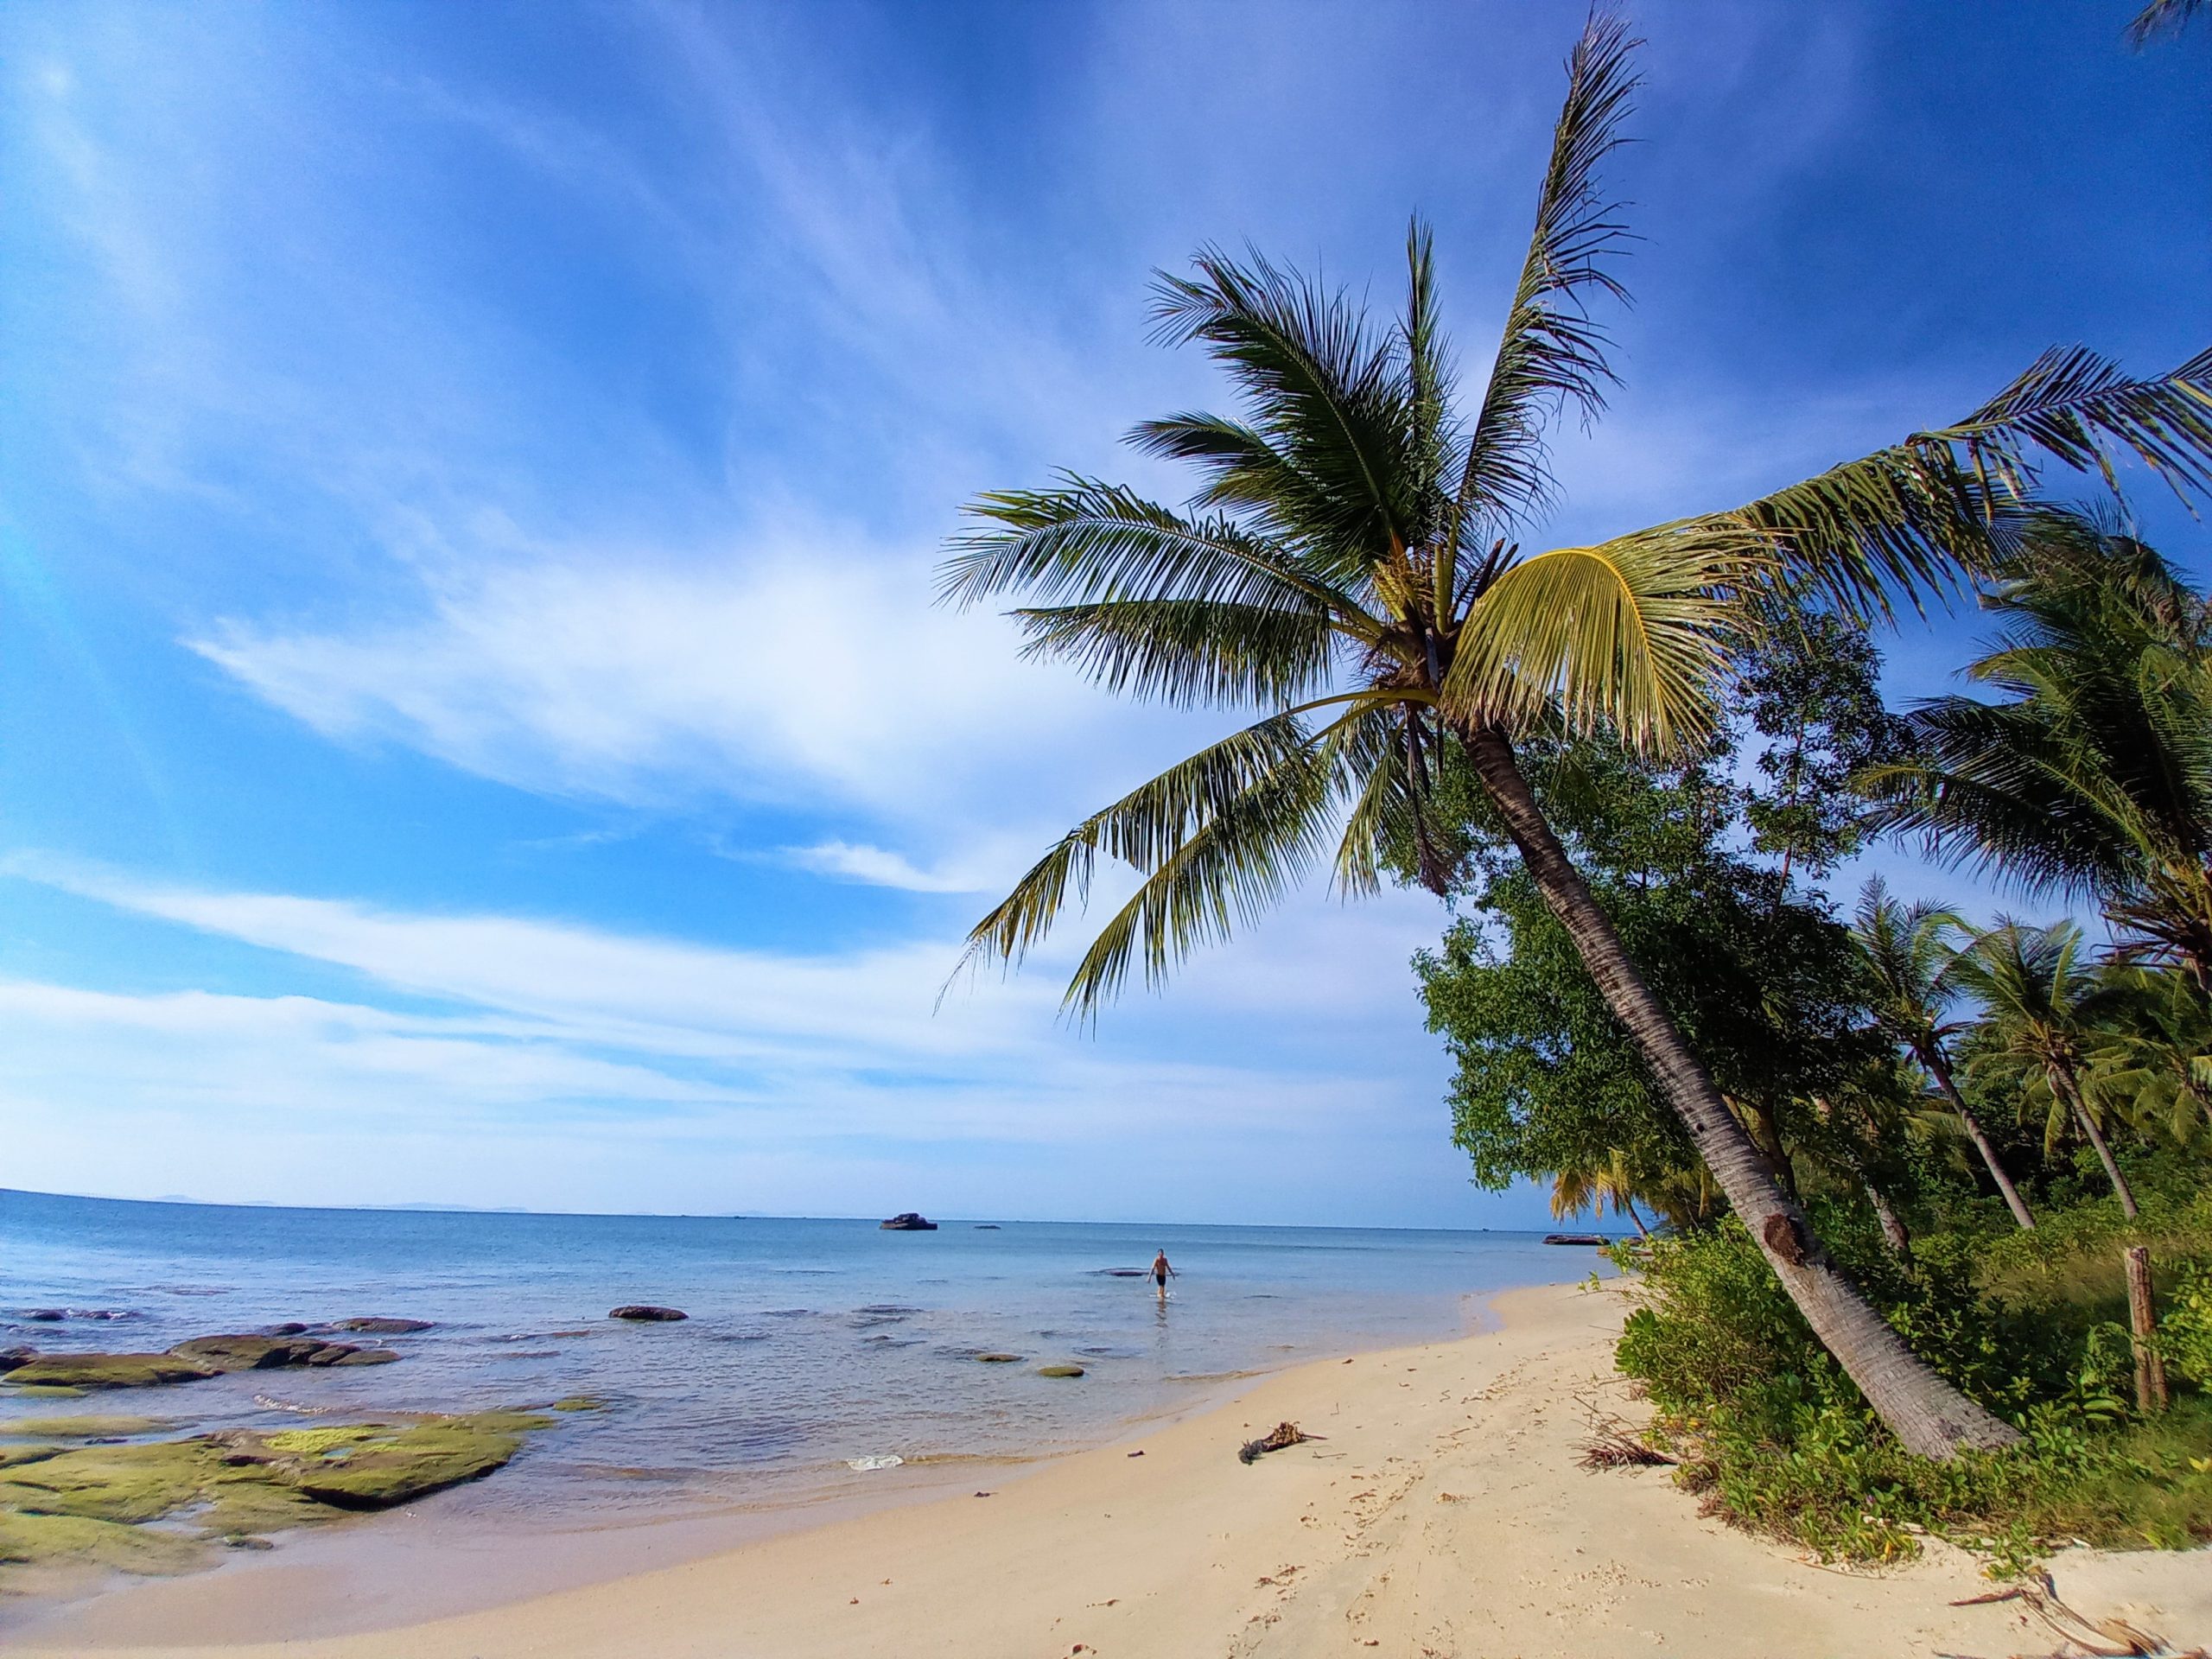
(2185, 1332)
(1777, 1439)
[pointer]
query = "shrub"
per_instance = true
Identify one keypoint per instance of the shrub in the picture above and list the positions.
(1779, 1439)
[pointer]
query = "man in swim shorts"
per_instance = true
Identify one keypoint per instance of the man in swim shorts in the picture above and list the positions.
(1160, 1272)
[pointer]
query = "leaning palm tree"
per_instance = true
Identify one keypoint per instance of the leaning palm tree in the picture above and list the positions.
(1351, 564)
(2039, 996)
(1596, 1186)
(2093, 778)
(1905, 950)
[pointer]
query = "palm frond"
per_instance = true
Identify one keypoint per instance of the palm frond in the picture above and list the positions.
(1552, 354)
(1627, 635)
(2162, 17)
(2075, 407)
(1325, 392)
(1142, 829)
(1908, 521)
(1188, 652)
(1228, 868)
(1088, 543)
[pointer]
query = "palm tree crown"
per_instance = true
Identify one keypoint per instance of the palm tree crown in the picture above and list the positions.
(2095, 777)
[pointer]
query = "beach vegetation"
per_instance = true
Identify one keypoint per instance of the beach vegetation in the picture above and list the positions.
(1353, 567)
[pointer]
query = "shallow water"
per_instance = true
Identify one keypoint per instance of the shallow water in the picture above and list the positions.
(810, 1343)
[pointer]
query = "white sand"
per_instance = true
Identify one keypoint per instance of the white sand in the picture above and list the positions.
(1443, 1515)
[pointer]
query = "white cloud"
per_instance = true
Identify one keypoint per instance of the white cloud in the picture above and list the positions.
(879, 867)
(543, 1062)
(806, 670)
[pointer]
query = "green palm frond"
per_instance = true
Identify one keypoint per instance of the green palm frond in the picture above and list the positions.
(2162, 17)
(1218, 837)
(1905, 949)
(1368, 750)
(1328, 399)
(1552, 354)
(1092, 542)
(1909, 520)
(2075, 407)
(1985, 787)
(1228, 868)
(1627, 636)
(1188, 652)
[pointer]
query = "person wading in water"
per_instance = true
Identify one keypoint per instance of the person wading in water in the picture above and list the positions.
(1160, 1272)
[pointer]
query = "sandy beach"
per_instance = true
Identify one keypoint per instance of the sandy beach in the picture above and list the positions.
(1442, 1512)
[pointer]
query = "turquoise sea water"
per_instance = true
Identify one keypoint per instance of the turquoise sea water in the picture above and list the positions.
(810, 1343)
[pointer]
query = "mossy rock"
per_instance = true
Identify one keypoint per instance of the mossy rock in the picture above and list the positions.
(41, 1540)
(374, 1466)
(998, 1359)
(579, 1402)
(106, 1372)
(81, 1429)
(232, 1485)
(1059, 1370)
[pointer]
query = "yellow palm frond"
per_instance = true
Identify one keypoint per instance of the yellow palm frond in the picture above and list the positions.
(1628, 634)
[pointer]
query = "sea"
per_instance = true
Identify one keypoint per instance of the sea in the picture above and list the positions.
(819, 1356)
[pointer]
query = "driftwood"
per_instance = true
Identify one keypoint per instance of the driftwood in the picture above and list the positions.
(2104, 1638)
(1275, 1439)
(1613, 1445)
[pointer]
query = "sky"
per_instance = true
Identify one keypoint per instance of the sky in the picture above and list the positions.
(473, 727)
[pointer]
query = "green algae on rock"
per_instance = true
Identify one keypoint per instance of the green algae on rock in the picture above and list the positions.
(80, 1428)
(91, 1503)
(104, 1371)
(1059, 1370)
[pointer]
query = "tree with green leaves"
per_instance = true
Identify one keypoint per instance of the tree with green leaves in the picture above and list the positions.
(1810, 690)
(2093, 778)
(1906, 951)
(2038, 994)
(1351, 564)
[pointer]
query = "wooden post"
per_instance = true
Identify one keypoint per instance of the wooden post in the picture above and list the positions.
(2143, 1324)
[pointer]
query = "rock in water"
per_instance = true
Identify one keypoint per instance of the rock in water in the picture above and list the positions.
(106, 1370)
(1059, 1370)
(382, 1327)
(906, 1221)
(998, 1359)
(245, 1352)
(645, 1312)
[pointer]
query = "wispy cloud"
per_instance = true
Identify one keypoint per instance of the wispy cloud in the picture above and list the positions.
(877, 867)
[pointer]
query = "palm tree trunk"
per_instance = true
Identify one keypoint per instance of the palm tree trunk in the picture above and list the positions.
(1894, 1232)
(1629, 1204)
(1931, 1056)
(2073, 1093)
(1928, 1415)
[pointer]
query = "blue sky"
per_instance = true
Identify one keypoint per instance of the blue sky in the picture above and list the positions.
(471, 725)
